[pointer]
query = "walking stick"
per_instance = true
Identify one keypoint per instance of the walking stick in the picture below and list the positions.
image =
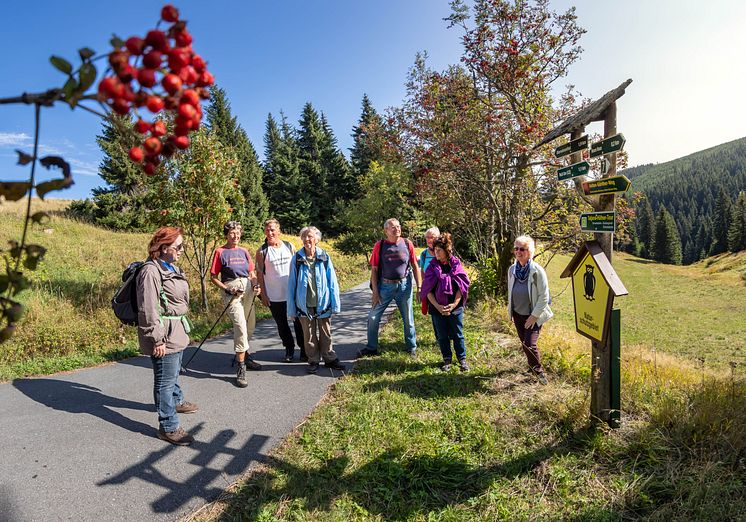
(184, 367)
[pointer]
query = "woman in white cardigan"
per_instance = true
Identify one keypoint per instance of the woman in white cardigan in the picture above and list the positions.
(528, 301)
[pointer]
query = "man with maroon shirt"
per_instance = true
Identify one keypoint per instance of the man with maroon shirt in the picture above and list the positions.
(233, 271)
(393, 266)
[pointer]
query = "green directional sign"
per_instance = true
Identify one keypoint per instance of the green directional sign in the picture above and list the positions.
(598, 221)
(574, 170)
(607, 146)
(573, 146)
(610, 185)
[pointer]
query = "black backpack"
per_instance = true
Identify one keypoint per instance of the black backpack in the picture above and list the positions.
(124, 302)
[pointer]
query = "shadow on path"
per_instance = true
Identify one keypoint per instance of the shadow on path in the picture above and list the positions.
(74, 397)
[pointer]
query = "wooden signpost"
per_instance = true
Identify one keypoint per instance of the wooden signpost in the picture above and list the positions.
(573, 171)
(601, 195)
(575, 145)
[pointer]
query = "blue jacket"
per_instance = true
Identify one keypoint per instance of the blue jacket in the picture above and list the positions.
(327, 287)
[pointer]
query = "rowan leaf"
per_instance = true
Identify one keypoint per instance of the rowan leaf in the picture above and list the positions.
(61, 64)
(14, 190)
(86, 53)
(23, 158)
(87, 76)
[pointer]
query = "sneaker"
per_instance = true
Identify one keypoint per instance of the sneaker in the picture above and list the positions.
(313, 367)
(186, 407)
(542, 378)
(446, 366)
(241, 381)
(178, 437)
(336, 365)
(287, 359)
(252, 365)
(367, 352)
(463, 366)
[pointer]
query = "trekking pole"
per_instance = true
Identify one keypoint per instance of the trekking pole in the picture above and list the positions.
(184, 367)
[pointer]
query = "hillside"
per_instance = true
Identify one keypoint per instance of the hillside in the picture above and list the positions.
(689, 188)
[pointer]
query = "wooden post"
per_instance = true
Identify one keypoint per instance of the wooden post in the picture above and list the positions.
(601, 353)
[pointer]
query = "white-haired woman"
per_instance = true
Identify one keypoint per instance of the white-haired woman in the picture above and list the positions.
(313, 296)
(528, 301)
(428, 254)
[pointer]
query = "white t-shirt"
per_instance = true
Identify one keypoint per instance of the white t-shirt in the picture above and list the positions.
(276, 270)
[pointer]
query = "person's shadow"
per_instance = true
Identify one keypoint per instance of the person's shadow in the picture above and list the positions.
(74, 397)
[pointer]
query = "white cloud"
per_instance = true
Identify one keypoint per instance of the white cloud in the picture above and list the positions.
(14, 139)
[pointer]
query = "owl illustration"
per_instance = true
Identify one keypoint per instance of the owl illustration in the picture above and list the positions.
(589, 283)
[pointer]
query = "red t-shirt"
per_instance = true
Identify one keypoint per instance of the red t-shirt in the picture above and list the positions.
(231, 263)
(397, 258)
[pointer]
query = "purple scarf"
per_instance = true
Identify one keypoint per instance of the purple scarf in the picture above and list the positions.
(444, 283)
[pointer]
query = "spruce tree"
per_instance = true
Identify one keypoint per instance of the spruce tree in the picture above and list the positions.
(645, 228)
(288, 191)
(363, 151)
(737, 230)
(341, 183)
(311, 143)
(721, 224)
(120, 204)
(667, 247)
(252, 211)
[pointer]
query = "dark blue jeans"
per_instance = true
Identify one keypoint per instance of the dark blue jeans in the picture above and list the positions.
(450, 328)
(166, 391)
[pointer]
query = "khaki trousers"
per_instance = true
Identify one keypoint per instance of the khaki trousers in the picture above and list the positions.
(317, 334)
(242, 312)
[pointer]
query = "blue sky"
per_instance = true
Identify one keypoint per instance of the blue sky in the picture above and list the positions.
(686, 61)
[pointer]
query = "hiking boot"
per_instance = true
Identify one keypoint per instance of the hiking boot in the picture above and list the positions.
(367, 352)
(241, 381)
(412, 354)
(541, 376)
(336, 365)
(313, 367)
(251, 365)
(178, 437)
(186, 407)
(304, 358)
(446, 366)
(463, 366)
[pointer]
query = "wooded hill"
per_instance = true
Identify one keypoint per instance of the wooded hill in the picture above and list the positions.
(698, 191)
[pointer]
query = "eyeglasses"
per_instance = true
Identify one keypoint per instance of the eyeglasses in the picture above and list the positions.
(179, 247)
(520, 249)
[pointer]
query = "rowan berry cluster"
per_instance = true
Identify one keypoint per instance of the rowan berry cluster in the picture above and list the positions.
(141, 67)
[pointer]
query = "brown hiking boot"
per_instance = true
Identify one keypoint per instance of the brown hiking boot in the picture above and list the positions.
(241, 381)
(186, 407)
(179, 437)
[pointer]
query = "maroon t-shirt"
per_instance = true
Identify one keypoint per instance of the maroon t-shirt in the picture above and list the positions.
(231, 263)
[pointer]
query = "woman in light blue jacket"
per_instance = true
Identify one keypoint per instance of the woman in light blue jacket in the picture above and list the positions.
(528, 301)
(313, 296)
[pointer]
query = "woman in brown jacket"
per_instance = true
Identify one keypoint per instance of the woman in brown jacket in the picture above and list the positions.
(163, 329)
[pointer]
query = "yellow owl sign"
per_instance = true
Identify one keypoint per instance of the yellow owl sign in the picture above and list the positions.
(594, 285)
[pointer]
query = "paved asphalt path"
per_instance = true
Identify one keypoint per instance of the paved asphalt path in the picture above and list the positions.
(82, 445)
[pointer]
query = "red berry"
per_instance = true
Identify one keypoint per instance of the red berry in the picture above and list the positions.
(120, 106)
(136, 154)
(181, 130)
(158, 128)
(181, 142)
(188, 75)
(182, 38)
(149, 168)
(127, 93)
(152, 146)
(154, 104)
(142, 126)
(205, 79)
(141, 97)
(177, 59)
(171, 83)
(203, 93)
(107, 88)
(168, 148)
(135, 45)
(191, 97)
(152, 60)
(157, 40)
(187, 111)
(146, 77)
(198, 63)
(127, 73)
(118, 59)
(169, 13)
(171, 103)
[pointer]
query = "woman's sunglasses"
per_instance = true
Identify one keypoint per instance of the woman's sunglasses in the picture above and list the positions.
(520, 249)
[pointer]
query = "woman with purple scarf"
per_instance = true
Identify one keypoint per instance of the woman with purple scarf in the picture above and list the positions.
(444, 293)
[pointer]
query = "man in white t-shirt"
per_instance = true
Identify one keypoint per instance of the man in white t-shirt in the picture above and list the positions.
(273, 265)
